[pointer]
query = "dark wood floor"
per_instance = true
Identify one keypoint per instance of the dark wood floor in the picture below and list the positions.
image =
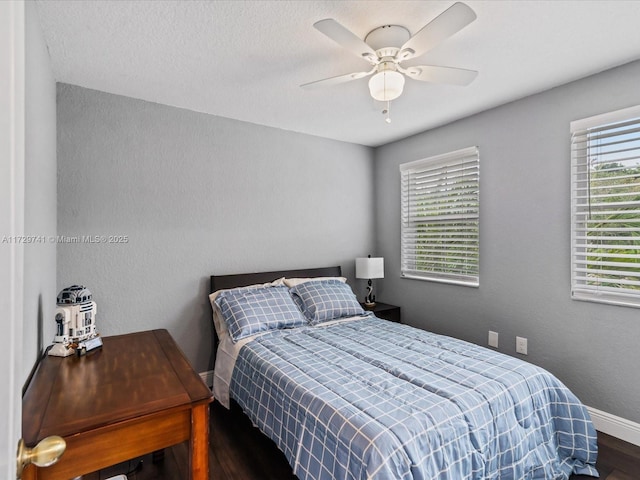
(239, 452)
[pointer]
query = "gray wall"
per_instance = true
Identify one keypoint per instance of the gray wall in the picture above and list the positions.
(524, 243)
(196, 195)
(40, 194)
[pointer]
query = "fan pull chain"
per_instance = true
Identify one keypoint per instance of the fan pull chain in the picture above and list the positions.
(387, 111)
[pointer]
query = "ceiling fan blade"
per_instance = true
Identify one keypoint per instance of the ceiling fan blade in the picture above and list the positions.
(329, 82)
(452, 20)
(346, 38)
(433, 74)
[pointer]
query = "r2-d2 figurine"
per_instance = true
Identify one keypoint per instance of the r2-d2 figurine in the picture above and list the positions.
(75, 323)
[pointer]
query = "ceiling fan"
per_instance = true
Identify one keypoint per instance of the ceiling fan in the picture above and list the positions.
(386, 47)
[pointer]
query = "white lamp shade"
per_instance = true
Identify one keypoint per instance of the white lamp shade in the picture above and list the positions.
(369, 268)
(386, 85)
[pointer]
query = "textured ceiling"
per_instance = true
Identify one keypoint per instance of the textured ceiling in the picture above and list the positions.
(246, 59)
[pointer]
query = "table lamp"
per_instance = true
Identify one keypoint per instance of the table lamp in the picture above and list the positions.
(369, 268)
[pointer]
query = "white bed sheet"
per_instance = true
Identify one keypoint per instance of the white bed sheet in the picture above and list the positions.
(225, 361)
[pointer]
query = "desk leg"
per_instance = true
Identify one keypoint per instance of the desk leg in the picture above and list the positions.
(30, 472)
(199, 442)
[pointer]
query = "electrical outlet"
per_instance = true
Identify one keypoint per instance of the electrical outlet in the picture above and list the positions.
(493, 339)
(521, 345)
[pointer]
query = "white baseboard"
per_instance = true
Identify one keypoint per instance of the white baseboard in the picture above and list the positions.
(207, 377)
(615, 426)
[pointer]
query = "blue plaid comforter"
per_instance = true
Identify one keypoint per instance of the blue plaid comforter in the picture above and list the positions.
(380, 400)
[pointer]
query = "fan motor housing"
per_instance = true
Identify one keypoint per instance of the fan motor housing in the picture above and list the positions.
(387, 39)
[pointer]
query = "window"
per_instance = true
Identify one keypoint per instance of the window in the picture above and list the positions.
(440, 218)
(605, 208)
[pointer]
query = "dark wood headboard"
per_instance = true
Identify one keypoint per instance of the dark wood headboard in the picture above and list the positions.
(219, 282)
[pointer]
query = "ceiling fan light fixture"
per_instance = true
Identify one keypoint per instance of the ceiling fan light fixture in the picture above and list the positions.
(386, 47)
(386, 85)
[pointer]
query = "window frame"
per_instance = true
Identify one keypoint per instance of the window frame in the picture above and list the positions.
(468, 273)
(584, 287)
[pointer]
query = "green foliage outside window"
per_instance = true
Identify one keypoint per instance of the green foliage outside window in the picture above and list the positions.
(614, 225)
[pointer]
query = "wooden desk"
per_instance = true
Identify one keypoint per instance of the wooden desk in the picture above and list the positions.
(135, 395)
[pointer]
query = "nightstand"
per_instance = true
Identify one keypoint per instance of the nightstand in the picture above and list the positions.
(385, 311)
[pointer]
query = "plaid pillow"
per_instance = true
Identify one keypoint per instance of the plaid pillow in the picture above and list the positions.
(250, 311)
(325, 300)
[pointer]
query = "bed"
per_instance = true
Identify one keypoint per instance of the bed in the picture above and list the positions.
(345, 395)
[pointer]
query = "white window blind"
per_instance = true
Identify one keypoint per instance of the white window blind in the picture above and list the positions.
(440, 218)
(605, 208)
